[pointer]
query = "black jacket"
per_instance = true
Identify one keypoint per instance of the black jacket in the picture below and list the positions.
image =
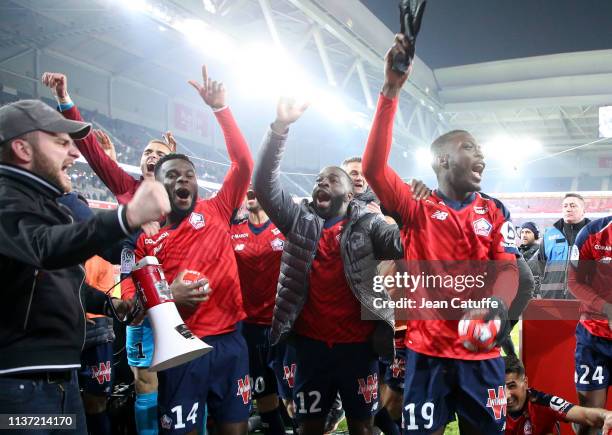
(42, 323)
(365, 239)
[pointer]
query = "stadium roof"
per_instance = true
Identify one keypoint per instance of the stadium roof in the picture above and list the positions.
(553, 99)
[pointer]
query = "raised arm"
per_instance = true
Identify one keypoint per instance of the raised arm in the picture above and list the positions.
(277, 203)
(393, 193)
(114, 177)
(238, 178)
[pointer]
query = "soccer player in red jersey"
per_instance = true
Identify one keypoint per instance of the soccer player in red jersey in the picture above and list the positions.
(455, 224)
(326, 285)
(195, 244)
(590, 281)
(536, 413)
(258, 246)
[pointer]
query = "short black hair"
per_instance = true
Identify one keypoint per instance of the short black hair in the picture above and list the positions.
(514, 365)
(168, 157)
(438, 144)
(345, 174)
(574, 195)
(354, 159)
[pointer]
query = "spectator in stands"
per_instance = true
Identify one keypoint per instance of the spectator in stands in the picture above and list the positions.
(529, 248)
(556, 246)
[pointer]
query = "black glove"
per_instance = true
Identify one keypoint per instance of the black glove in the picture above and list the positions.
(553, 402)
(411, 15)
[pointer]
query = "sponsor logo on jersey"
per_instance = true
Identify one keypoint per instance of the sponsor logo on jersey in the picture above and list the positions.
(497, 402)
(605, 260)
(368, 388)
(481, 210)
(157, 249)
(197, 220)
(482, 227)
(240, 236)
(244, 389)
(602, 248)
(275, 231)
(161, 237)
(277, 244)
(101, 373)
(239, 247)
(440, 215)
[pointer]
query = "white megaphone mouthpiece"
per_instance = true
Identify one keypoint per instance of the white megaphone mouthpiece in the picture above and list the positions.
(174, 343)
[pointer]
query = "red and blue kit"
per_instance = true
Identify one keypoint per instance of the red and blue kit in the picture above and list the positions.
(590, 280)
(258, 250)
(447, 238)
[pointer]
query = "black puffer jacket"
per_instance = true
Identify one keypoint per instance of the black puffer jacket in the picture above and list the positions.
(42, 324)
(365, 239)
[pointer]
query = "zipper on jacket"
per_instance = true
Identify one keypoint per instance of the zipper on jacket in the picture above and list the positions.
(83, 309)
(27, 316)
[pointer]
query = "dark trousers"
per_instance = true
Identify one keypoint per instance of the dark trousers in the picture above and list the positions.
(37, 394)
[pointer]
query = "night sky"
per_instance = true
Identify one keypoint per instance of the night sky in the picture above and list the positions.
(459, 32)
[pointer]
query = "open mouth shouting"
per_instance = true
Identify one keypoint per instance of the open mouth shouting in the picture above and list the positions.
(477, 170)
(322, 199)
(182, 197)
(65, 167)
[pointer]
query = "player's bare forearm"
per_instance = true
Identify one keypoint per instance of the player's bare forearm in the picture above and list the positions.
(593, 417)
(582, 291)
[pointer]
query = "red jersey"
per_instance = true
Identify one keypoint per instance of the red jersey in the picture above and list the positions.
(535, 419)
(258, 250)
(469, 234)
(201, 243)
(332, 313)
(590, 275)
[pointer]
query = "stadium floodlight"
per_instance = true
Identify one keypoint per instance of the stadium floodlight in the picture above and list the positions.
(209, 5)
(423, 156)
(205, 38)
(138, 5)
(605, 121)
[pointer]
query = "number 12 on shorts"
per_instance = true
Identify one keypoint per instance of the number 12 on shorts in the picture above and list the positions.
(409, 416)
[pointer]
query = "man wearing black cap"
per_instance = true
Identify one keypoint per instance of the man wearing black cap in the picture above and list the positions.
(41, 251)
(529, 241)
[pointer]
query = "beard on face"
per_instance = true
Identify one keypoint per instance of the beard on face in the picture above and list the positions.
(180, 213)
(335, 204)
(44, 167)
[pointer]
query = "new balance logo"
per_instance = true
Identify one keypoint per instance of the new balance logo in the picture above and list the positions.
(440, 215)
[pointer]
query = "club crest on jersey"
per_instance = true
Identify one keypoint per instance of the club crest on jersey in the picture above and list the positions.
(101, 373)
(289, 375)
(527, 428)
(368, 388)
(497, 402)
(481, 210)
(244, 389)
(440, 215)
(197, 220)
(508, 233)
(165, 422)
(482, 227)
(239, 247)
(277, 244)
